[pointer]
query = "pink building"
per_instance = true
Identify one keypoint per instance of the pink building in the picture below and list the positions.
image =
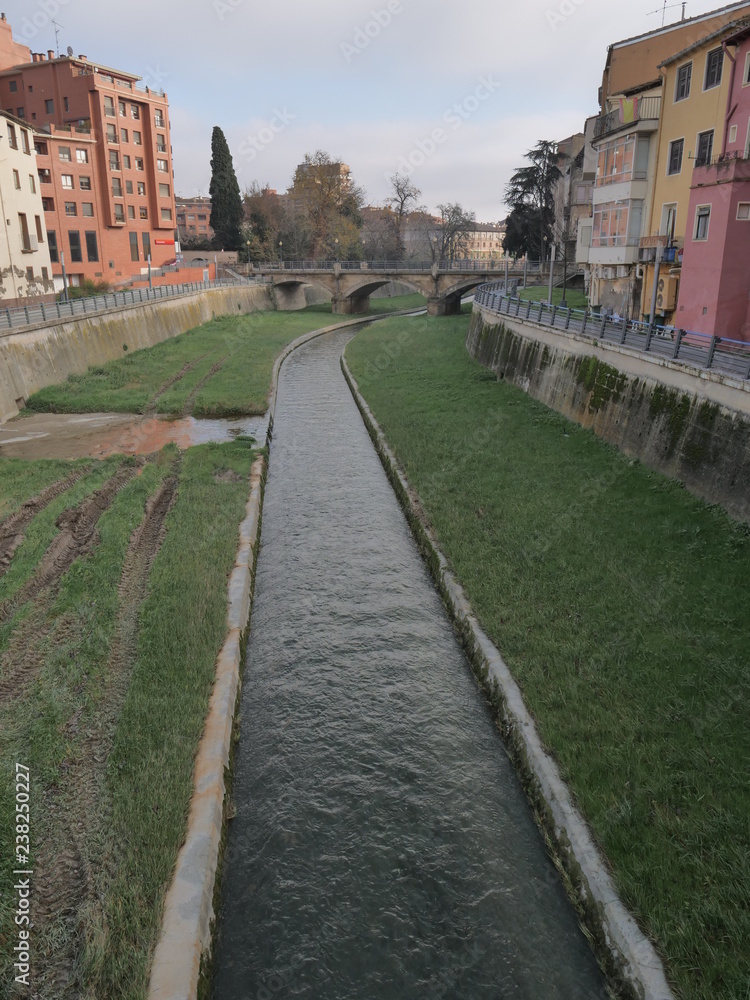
(715, 287)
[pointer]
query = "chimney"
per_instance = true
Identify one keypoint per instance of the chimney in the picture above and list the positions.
(50, 54)
(83, 58)
(2, 15)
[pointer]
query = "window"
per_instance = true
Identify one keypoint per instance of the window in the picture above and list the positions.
(13, 86)
(135, 111)
(87, 209)
(128, 187)
(146, 245)
(191, 218)
(30, 274)
(109, 107)
(52, 241)
(684, 76)
(16, 180)
(733, 134)
(137, 138)
(675, 156)
(123, 134)
(702, 217)
(82, 156)
(139, 163)
(84, 183)
(668, 221)
(66, 104)
(134, 246)
(12, 138)
(92, 250)
(143, 212)
(114, 160)
(66, 180)
(131, 212)
(70, 208)
(610, 224)
(119, 213)
(45, 274)
(25, 238)
(49, 107)
(161, 144)
(746, 77)
(159, 119)
(126, 162)
(32, 184)
(64, 153)
(41, 147)
(162, 166)
(45, 177)
(122, 109)
(111, 133)
(141, 188)
(74, 237)
(20, 113)
(48, 204)
(25, 141)
(166, 215)
(164, 191)
(39, 229)
(743, 211)
(705, 148)
(714, 63)
(116, 187)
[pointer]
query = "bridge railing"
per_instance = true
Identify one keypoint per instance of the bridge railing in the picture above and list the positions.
(395, 266)
(47, 312)
(699, 350)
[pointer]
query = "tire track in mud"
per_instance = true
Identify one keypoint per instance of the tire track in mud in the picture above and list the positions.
(78, 536)
(77, 862)
(187, 409)
(166, 386)
(13, 527)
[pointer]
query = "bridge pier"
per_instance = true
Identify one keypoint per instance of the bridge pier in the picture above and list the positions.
(449, 305)
(344, 305)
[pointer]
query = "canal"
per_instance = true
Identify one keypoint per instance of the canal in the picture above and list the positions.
(382, 845)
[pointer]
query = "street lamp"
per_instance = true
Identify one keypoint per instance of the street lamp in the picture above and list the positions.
(337, 250)
(281, 250)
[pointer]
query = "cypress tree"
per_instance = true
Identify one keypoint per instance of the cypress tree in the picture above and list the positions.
(227, 210)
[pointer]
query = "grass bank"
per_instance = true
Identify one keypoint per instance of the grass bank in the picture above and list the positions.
(107, 656)
(622, 606)
(575, 298)
(220, 369)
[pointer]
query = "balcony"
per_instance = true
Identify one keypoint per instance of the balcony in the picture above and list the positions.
(628, 116)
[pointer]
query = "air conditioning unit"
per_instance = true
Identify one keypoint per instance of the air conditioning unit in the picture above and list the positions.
(647, 255)
(623, 270)
(640, 270)
(33, 242)
(666, 293)
(608, 273)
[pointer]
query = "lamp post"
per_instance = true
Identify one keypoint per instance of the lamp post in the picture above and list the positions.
(551, 272)
(336, 242)
(281, 251)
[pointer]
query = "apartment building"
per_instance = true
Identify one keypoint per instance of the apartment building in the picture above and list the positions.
(714, 293)
(194, 218)
(485, 241)
(25, 266)
(105, 161)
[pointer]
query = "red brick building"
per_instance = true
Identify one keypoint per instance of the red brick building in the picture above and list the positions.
(193, 218)
(104, 159)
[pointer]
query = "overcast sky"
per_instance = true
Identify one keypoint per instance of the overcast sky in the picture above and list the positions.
(452, 91)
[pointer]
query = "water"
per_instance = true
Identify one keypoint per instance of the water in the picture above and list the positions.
(382, 846)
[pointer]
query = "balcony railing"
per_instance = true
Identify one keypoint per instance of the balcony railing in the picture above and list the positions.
(640, 109)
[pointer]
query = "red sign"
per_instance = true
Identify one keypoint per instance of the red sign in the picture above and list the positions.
(164, 243)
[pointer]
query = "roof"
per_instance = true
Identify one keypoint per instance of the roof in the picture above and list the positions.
(740, 34)
(671, 27)
(94, 67)
(706, 40)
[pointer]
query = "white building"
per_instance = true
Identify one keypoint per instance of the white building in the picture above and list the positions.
(25, 268)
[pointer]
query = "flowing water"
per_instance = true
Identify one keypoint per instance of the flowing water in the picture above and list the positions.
(382, 845)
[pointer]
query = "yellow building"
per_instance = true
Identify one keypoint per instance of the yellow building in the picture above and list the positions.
(694, 104)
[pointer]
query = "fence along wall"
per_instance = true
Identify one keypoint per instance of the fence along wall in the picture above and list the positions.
(43, 355)
(673, 421)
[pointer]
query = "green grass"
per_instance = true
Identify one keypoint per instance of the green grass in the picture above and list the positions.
(398, 302)
(622, 606)
(137, 820)
(247, 345)
(575, 298)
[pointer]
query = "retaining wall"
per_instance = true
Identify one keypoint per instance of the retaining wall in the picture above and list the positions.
(691, 425)
(42, 355)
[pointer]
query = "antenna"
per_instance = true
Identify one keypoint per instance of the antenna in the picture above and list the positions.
(57, 36)
(668, 6)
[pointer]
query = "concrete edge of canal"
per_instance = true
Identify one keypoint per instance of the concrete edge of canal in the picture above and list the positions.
(187, 926)
(629, 957)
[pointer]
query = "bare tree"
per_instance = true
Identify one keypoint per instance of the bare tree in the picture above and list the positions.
(453, 235)
(402, 201)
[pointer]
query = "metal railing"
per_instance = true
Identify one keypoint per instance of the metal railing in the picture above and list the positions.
(700, 350)
(403, 266)
(51, 312)
(647, 109)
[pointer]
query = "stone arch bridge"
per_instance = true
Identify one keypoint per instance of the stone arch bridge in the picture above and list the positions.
(352, 282)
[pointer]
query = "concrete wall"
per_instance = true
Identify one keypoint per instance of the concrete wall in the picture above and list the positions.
(43, 355)
(694, 427)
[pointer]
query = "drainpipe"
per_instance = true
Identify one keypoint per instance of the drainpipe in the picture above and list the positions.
(654, 290)
(730, 108)
(551, 273)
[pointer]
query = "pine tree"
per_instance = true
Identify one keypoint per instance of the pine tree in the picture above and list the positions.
(227, 210)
